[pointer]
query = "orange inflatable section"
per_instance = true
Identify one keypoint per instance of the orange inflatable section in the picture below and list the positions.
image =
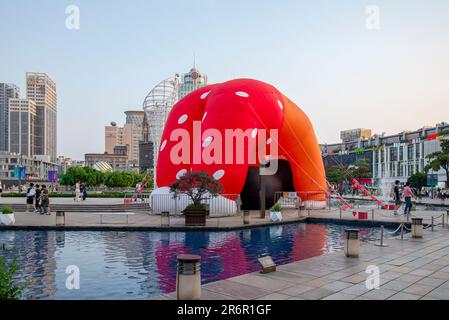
(303, 152)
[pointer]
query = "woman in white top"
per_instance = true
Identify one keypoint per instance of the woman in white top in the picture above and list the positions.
(77, 192)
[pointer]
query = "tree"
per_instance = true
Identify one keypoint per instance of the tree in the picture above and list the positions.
(336, 174)
(196, 185)
(418, 180)
(440, 160)
(88, 175)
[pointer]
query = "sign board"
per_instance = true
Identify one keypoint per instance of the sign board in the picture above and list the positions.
(267, 264)
(432, 180)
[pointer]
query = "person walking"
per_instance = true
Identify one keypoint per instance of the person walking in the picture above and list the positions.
(37, 199)
(77, 191)
(408, 195)
(30, 197)
(45, 200)
(84, 192)
(396, 197)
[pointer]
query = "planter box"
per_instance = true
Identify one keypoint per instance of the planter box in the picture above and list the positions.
(7, 219)
(275, 216)
(195, 217)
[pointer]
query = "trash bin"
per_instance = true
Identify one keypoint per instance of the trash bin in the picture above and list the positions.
(352, 243)
(417, 228)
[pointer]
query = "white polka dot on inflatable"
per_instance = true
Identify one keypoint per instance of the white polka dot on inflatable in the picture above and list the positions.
(242, 94)
(182, 119)
(218, 174)
(254, 133)
(207, 142)
(181, 173)
(280, 105)
(163, 145)
(269, 141)
(204, 95)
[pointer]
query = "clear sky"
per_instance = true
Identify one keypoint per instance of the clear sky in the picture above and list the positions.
(319, 53)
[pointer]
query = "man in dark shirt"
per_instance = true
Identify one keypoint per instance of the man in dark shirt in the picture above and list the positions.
(38, 199)
(397, 197)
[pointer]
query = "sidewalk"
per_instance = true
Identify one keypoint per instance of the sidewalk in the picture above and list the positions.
(410, 269)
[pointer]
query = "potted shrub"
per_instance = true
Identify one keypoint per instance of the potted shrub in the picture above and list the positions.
(198, 186)
(7, 216)
(276, 213)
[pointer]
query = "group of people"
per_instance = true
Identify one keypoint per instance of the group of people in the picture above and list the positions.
(38, 199)
(80, 191)
(407, 194)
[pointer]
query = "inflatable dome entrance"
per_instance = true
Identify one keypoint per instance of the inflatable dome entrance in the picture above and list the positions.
(268, 121)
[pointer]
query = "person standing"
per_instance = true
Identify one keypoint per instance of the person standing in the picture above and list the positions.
(84, 191)
(408, 195)
(37, 199)
(396, 197)
(77, 191)
(31, 192)
(45, 200)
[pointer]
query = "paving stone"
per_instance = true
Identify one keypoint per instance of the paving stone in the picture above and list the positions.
(275, 296)
(404, 296)
(440, 275)
(236, 290)
(357, 278)
(316, 294)
(296, 290)
(428, 281)
(418, 289)
(337, 285)
(439, 293)
(421, 272)
(410, 278)
(318, 282)
(289, 276)
(379, 294)
(340, 296)
(356, 290)
(396, 285)
(261, 282)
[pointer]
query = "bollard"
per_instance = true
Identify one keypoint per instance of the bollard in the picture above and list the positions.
(165, 219)
(352, 243)
(402, 231)
(246, 217)
(417, 228)
(188, 277)
(382, 232)
(372, 215)
(433, 222)
(340, 213)
(60, 218)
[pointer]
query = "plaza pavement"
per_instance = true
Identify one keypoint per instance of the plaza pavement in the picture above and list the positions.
(410, 269)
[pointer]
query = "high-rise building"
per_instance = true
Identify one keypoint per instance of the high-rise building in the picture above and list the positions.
(42, 90)
(21, 124)
(127, 136)
(191, 81)
(7, 91)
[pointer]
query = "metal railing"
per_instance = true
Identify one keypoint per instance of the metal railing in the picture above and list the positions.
(223, 205)
(302, 200)
(137, 200)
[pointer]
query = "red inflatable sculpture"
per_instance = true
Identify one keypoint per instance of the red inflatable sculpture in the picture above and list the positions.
(229, 129)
